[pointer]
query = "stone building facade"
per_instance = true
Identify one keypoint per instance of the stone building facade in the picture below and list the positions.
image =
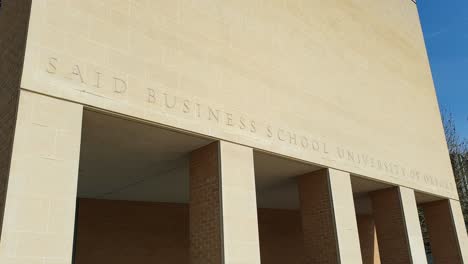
(221, 131)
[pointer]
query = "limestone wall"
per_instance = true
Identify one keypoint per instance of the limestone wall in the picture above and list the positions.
(343, 84)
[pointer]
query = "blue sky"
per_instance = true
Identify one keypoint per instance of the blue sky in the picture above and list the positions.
(445, 27)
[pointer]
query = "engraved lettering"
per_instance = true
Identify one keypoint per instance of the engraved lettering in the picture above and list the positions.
(340, 153)
(151, 96)
(269, 132)
(76, 72)
(292, 138)
(350, 156)
(242, 123)
(281, 132)
(198, 110)
(403, 171)
(120, 86)
(167, 103)
(229, 120)
(315, 145)
(385, 165)
(98, 80)
(224, 117)
(358, 159)
(253, 128)
(186, 108)
(325, 148)
(213, 114)
(52, 68)
(365, 159)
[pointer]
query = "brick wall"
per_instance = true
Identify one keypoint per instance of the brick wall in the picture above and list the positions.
(390, 225)
(368, 239)
(14, 18)
(317, 218)
(122, 232)
(281, 239)
(444, 243)
(205, 225)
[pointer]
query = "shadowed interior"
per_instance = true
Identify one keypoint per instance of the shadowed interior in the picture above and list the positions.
(133, 195)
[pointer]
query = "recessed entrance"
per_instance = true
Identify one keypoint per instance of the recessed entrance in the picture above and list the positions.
(133, 195)
(133, 191)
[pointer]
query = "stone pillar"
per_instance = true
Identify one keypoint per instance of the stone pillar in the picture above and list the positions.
(447, 231)
(398, 228)
(368, 239)
(39, 215)
(328, 217)
(223, 208)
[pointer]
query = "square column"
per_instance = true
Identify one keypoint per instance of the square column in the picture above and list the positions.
(447, 231)
(368, 239)
(40, 204)
(223, 207)
(398, 228)
(328, 217)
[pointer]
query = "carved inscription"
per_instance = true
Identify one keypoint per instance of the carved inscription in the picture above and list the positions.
(265, 131)
(93, 79)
